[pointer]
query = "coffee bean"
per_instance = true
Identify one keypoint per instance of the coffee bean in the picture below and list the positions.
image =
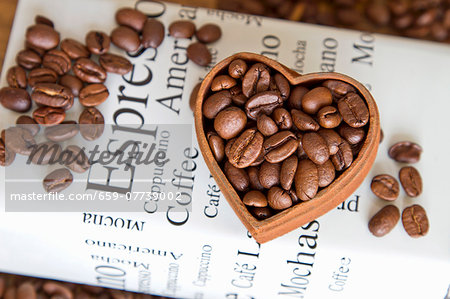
(26, 291)
(399, 7)
(315, 147)
(326, 173)
(49, 115)
(72, 82)
(74, 49)
(266, 125)
(43, 20)
(57, 180)
(91, 123)
(348, 16)
(255, 198)
(42, 75)
(152, 33)
(415, 221)
(19, 140)
(344, 156)
(353, 110)
(269, 174)
(263, 103)
(216, 103)
(427, 17)
(287, 173)
(281, 84)
(306, 180)
(403, 21)
(237, 68)
(222, 82)
(238, 98)
(16, 99)
(182, 29)
(193, 96)
(26, 122)
(384, 220)
(75, 159)
(280, 146)
(329, 117)
(303, 121)
(411, 181)
(199, 54)
(42, 36)
(62, 132)
(405, 152)
(439, 32)
(89, 71)
(260, 159)
(230, 122)
(246, 148)
(315, 99)
(378, 13)
(28, 59)
(253, 175)
(97, 42)
(131, 17)
(385, 187)
(217, 146)
(58, 61)
(57, 289)
(256, 80)
(53, 95)
(208, 33)
(93, 95)
(332, 139)
(338, 88)
(7, 157)
(296, 96)
(237, 177)
(45, 153)
(282, 118)
(125, 38)
(352, 135)
(381, 135)
(261, 213)
(16, 77)
(301, 154)
(278, 198)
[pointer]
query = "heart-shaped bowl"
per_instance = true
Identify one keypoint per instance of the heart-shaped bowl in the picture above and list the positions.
(326, 199)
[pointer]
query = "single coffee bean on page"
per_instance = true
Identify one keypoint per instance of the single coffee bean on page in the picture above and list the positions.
(415, 221)
(182, 29)
(15, 99)
(208, 33)
(411, 181)
(384, 220)
(93, 95)
(91, 123)
(131, 17)
(385, 187)
(16, 77)
(57, 180)
(405, 152)
(199, 54)
(152, 33)
(125, 38)
(97, 42)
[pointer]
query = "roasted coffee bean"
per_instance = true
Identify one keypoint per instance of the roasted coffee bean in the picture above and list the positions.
(356, 148)
(208, 33)
(45, 153)
(97, 42)
(58, 61)
(89, 71)
(74, 49)
(256, 80)
(199, 54)
(439, 32)
(237, 68)
(384, 220)
(344, 156)
(72, 82)
(131, 17)
(259, 159)
(42, 75)
(216, 103)
(405, 152)
(282, 118)
(316, 148)
(281, 84)
(16, 77)
(26, 122)
(261, 213)
(246, 148)
(237, 96)
(378, 13)
(53, 95)
(228, 146)
(152, 33)
(26, 290)
(269, 174)
(399, 7)
(19, 140)
(43, 20)
(353, 110)
(415, 221)
(237, 177)
(28, 59)
(230, 122)
(222, 82)
(7, 157)
(57, 289)
(193, 96)
(296, 96)
(38, 51)
(253, 175)
(411, 181)
(62, 132)
(266, 125)
(217, 146)
(16, 99)
(75, 159)
(280, 146)
(287, 173)
(255, 198)
(263, 103)
(348, 16)
(42, 36)
(326, 173)
(403, 21)
(306, 180)
(352, 135)
(338, 88)
(91, 123)
(125, 38)
(278, 198)
(315, 99)
(93, 95)
(58, 180)
(49, 115)
(300, 151)
(385, 187)
(329, 117)
(332, 139)
(427, 17)
(182, 29)
(381, 135)
(303, 121)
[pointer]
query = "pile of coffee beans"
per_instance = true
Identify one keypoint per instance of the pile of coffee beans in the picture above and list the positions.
(280, 144)
(386, 187)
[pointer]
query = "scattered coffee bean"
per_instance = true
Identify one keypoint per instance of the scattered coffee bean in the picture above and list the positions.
(182, 29)
(62, 132)
(89, 71)
(49, 115)
(113, 63)
(26, 291)
(42, 75)
(58, 61)
(385, 187)
(16, 99)
(43, 20)
(53, 95)
(93, 95)
(72, 82)
(97, 42)
(16, 77)
(411, 181)
(415, 221)
(131, 17)
(42, 36)
(19, 140)
(126, 39)
(75, 159)
(384, 220)
(208, 33)
(152, 33)
(28, 59)
(27, 123)
(57, 180)
(199, 54)
(74, 49)
(91, 123)
(405, 152)
(45, 153)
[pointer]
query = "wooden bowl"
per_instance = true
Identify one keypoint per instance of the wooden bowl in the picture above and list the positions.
(326, 199)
